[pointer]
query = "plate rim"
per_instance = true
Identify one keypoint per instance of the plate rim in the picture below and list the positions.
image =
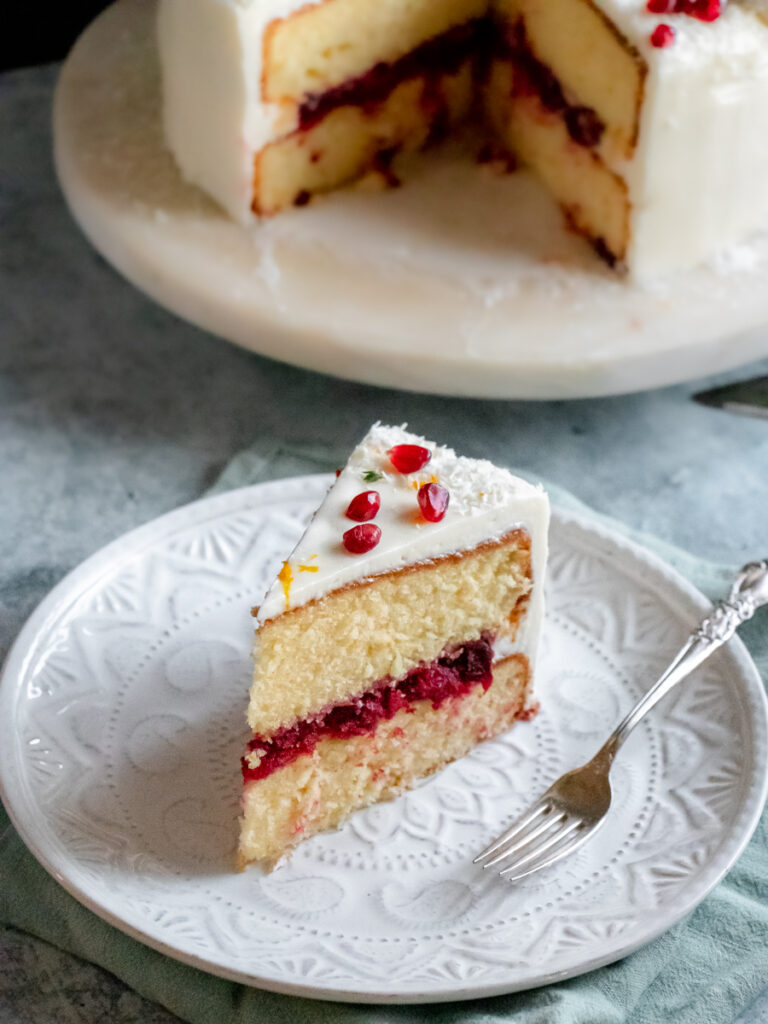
(129, 544)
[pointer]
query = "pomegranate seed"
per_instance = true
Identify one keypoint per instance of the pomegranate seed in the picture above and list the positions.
(364, 507)
(433, 502)
(704, 10)
(408, 458)
(362, 538)
(662, 36)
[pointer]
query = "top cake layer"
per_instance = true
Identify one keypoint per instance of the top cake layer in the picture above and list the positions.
(485, 503)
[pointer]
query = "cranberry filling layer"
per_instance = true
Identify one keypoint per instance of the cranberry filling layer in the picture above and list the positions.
(453, 674)
(532, 77)
(439, 56)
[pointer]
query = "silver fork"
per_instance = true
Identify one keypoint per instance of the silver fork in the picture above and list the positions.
(574, 807)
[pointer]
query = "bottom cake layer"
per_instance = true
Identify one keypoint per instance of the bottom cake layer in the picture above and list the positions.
(319, 790)
(353, 139)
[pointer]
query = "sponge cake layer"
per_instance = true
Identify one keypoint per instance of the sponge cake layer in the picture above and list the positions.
(594, 198)
(318, 791)
(384, 627)
(321, 45)
(591, 59)
(352, 138)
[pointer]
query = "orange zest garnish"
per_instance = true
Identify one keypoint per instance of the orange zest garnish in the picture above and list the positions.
(309, 568)
(286, 578)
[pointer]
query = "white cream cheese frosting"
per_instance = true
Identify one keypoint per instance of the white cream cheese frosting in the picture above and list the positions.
(214, 117)
(485, 503)
(698, 181)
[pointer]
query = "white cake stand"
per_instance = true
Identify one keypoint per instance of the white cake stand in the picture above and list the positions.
(462, 282)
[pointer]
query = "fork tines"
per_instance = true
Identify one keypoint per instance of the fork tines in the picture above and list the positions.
(541, 837)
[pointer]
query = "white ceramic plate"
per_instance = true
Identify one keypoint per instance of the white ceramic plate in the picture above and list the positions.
(461, 282)
(122, 722)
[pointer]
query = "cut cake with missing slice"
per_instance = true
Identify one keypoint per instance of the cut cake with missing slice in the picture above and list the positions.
(401, 632)
(643, 120)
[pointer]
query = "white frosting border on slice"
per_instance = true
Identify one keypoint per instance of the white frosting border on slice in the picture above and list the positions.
(486, 502)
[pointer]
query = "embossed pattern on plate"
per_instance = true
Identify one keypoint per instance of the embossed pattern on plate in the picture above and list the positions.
(122, 723)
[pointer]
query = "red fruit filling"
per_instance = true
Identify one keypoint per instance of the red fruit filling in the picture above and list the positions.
(361, 538)
(364, 506)
(409, 458)
(662, 36)
(453, 674)
(439, 56)
(533, 78)
(584, 126)
(601, 248)
(433, 502)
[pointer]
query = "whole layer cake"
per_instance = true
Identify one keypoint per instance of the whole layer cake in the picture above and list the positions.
(644, 118)
(401, 631)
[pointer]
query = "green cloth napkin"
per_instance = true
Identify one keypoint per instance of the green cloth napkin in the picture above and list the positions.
(708, 969)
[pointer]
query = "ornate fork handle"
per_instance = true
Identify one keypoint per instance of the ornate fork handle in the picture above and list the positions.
(575, 806)
(748, 593)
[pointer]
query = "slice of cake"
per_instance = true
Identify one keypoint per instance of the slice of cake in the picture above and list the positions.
(401, 631)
